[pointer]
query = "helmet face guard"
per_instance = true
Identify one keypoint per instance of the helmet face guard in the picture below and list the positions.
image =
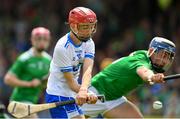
(85, 31)
(162, 60)
(164, 53)
(87, 26)
(85, 23)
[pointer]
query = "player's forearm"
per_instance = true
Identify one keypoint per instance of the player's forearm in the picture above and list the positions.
(148, 76)
(145, 73)
(86, 80)
(87, 75)
(14, 81)
(73, 85)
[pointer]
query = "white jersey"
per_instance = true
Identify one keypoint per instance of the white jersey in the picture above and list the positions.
(67, 57)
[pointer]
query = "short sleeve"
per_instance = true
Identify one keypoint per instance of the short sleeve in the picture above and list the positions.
(140, 64)
(62, 59)
(90, 49)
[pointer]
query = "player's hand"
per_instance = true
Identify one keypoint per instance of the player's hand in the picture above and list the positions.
(35, 83)
(82, 96)
(158, 78)
(92, 98)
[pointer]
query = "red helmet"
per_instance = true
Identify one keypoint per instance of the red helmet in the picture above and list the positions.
(81, 15)
(40, 31)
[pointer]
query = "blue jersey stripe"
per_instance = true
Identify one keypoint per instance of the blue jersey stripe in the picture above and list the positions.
(89, 56)
(66, 70)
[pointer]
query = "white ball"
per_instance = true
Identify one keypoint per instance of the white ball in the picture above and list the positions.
(157, 105)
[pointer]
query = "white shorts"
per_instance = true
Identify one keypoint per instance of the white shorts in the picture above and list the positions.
(93, 110)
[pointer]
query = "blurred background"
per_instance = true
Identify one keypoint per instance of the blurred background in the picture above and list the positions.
(123, 26)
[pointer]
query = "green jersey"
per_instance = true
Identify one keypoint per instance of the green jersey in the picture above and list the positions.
(27, 67)
(120, 77)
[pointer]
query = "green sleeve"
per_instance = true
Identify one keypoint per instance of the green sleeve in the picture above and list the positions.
(140, 64)
(145, 64)
(17, 67)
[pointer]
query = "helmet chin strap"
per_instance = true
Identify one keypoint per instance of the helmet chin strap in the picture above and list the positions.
(150, 54)
(81, 39)
(157, 69)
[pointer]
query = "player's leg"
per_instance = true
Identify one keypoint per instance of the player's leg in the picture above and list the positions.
(124, 110)
(117, 108)
(66, 111)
